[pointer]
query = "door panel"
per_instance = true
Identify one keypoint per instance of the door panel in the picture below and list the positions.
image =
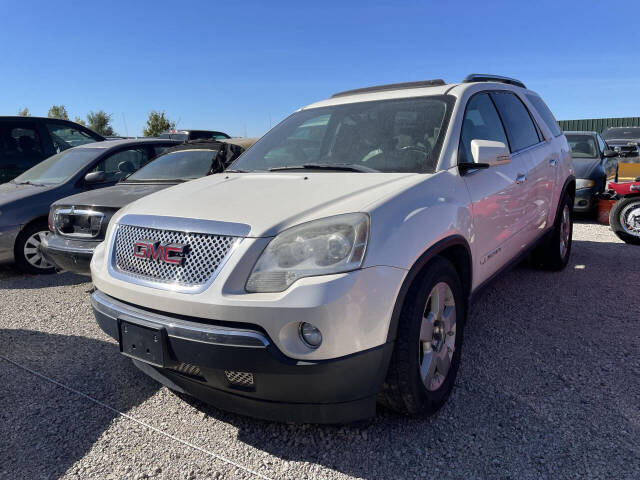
(499, 212)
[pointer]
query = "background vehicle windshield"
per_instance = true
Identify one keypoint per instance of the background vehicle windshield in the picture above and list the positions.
(59, 167)
(174, 136)
(630, 133)
(182, 165)
(389, 136)
(582, 146)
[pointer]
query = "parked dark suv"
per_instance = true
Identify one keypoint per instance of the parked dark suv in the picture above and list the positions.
(26, 141)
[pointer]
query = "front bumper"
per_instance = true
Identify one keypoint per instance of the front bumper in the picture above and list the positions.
(8, 236)
(203, 357)
(585, 200)
(73, 255)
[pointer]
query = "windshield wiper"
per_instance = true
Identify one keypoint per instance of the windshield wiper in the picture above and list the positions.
(237, 170)
(29, 182)
(340, 167)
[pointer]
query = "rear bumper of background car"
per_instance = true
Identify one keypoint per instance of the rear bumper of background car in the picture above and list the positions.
(238, 368)
(69, 254)
(8, 236)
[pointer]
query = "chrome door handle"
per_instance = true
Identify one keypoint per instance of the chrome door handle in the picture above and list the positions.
(521, 178)
(553, 162)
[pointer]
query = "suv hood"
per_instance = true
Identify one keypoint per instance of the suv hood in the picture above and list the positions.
(113, 197)
(272, 202)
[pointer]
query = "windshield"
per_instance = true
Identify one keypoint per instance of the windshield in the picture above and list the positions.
(59, 167)
(181, 165)
(582, 146)
(630, 133)
(386, 136)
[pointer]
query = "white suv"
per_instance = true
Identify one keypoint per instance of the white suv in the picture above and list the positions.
(333, 264)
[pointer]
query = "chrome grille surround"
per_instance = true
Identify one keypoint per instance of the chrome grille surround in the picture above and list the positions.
(210, 246)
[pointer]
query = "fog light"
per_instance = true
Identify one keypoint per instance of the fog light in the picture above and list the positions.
(310, 335)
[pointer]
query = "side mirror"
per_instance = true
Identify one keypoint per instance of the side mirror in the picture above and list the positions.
(490, 153)
(610, 153)
(95, 177)
(486, 153)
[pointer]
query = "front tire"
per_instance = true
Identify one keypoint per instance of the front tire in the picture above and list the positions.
(428, 345)
(27, 253)
(624, 219)
(554, 254)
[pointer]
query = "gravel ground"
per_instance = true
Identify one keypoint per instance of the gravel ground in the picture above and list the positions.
(549, 387)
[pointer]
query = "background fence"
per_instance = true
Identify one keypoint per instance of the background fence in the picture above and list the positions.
(598, 124)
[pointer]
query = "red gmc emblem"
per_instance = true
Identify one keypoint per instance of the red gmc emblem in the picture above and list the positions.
(171, 253)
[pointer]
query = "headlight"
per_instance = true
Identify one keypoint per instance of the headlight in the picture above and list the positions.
(320, 247)
(584, 183)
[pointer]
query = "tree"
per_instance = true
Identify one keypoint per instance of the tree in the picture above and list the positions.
(58, 111)
(157, 123)
(100, 122)
(80, 121)
(24, 112)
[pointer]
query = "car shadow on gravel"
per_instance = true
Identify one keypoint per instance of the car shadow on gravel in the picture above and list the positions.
(44, 428)
(11, 278)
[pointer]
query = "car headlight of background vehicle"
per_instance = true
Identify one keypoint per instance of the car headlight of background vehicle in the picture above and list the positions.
(584, 183)
(320, 247)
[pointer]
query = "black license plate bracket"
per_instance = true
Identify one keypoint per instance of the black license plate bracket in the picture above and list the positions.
(141, 342)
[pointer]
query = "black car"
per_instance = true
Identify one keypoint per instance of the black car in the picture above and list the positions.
(25, 201)
(595, 164)
(186, 135)
(624, 140)
(26, 141)
(79, 222)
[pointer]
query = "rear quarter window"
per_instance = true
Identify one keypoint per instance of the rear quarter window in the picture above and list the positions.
(546, 114)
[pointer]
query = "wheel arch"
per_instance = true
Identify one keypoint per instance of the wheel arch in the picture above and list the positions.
(25, 225)
(455, 249)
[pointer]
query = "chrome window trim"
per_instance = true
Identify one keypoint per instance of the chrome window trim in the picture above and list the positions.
(177, 327)
(115, 272)
(74, 211)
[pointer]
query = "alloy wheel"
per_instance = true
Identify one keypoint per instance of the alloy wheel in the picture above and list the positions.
(565, 231)
(437, 336)
(32, 252)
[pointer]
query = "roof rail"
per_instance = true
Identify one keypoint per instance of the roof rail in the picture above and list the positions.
(391, 86)
(485, 77)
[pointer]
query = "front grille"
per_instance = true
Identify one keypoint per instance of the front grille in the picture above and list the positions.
(205, 254)
(239, 378)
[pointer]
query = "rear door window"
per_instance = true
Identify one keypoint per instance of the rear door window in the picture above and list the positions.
(546, 114)
(521, 130)
(481, 122)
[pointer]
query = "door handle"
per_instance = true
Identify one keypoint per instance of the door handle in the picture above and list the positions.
(553, 162)
(521, 178)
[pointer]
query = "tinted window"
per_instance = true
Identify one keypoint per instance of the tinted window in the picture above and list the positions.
(64, 136)
(389, 136)
(481, 122)
(517, 121)
(601, 144)
(59, 167)
(20, 141)
(182, 165)
(546, 114)
(582, 146)
(123, 163)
